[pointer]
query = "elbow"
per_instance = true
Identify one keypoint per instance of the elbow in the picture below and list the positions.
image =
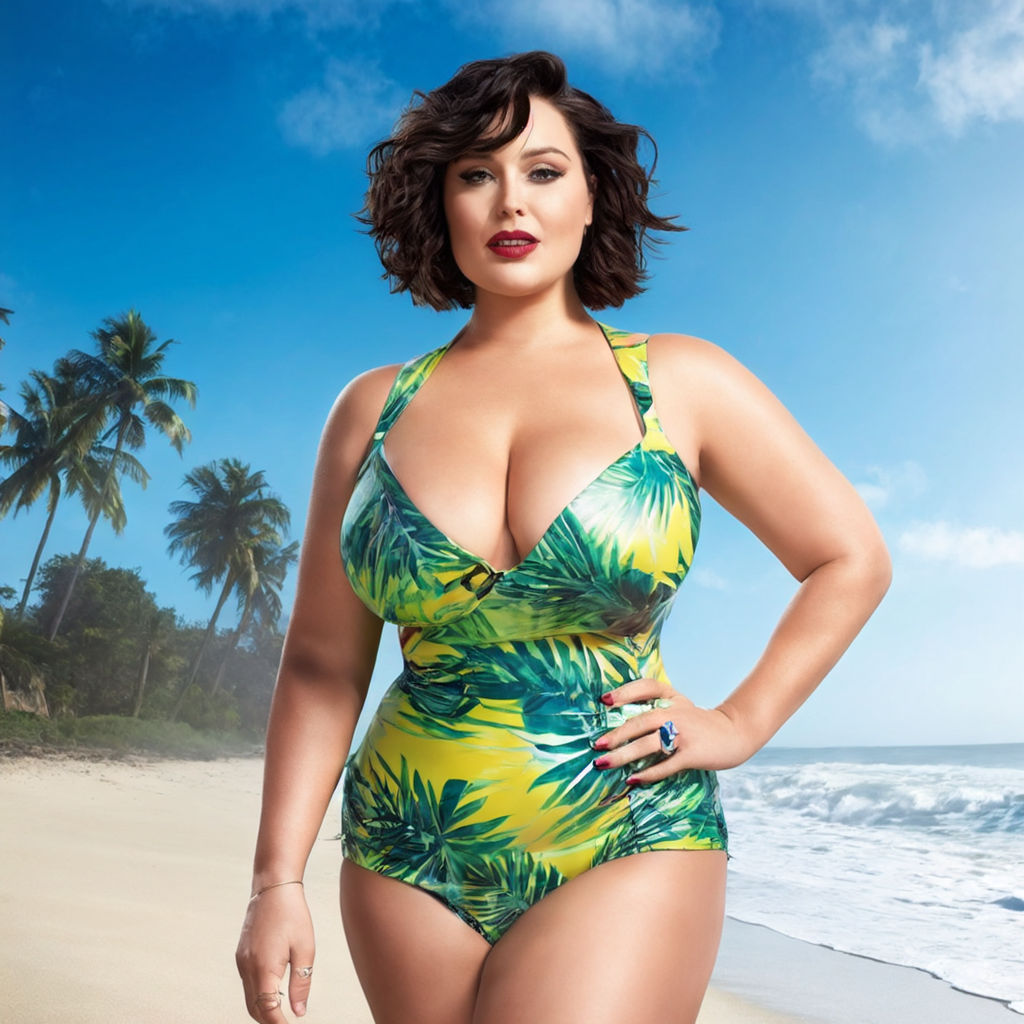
(873, 566)
(866, 570)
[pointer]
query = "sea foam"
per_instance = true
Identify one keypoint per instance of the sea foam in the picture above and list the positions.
(912, 863)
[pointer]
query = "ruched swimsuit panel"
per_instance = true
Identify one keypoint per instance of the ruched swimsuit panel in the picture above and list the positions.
(475, 779)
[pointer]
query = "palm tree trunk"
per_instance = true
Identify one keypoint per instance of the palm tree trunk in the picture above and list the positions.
(229, 584)
(35, 561)
(93, 519)
(140, 687)
(235, 637)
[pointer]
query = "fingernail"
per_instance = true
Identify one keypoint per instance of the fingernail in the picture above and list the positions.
(601, 762)
(600, 744)
(633, 780)
(607, 698)
(300, 1009)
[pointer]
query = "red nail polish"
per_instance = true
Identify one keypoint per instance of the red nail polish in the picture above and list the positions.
(607, 698)
(600, 744)
(633, 781)
(601, 762)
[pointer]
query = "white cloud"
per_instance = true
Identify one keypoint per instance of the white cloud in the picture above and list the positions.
(914, 68)
(354, 105)
(975, 547)
(319, 14)
(707, 578)
(871, 50)
(887, 484)
(627, 35)
(911, 68)
(979, 74)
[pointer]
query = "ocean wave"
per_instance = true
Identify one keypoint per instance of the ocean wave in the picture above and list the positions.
(926, 797)
(910, 864)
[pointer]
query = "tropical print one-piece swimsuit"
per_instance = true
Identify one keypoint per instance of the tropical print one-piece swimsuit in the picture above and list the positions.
(475, 779)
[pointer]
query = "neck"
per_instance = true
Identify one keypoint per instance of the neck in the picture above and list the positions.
(524, 321)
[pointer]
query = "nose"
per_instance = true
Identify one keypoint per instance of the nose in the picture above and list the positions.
(510, 197)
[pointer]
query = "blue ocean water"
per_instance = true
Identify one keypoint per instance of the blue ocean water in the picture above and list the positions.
(910, 855)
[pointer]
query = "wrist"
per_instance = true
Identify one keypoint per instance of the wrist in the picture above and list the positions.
(266, 875)
(260, 890)
(746, 740)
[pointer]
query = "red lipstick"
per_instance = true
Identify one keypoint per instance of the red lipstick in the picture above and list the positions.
(512, 244)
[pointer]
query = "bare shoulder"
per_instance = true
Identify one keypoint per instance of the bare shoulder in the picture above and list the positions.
(355, 412)
(682, 357)
(756, 461)
(692, 379)
(703, 378)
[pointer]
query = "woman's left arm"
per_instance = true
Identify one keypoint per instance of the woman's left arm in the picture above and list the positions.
(757, 462)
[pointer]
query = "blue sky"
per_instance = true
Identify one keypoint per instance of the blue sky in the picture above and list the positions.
(850, 171)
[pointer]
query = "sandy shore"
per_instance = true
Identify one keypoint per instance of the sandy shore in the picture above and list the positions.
(123, 887)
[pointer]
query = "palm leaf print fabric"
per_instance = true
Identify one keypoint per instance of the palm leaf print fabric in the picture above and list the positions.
(475, 778)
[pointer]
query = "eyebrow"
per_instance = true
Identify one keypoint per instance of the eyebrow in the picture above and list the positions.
(527, 154)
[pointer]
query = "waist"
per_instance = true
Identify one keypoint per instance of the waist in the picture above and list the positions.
(553, 684)
(439, 656)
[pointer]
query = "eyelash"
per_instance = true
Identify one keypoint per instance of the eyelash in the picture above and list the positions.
(473, 177)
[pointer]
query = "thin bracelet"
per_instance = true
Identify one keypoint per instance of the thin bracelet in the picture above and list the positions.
(267, 888)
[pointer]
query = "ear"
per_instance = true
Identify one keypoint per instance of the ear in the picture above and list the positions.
(592, 192)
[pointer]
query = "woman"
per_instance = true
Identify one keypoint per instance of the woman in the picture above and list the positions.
(531, 827)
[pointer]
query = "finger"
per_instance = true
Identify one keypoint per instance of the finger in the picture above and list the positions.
(636, 690)
(300, 977)
(643, 747)
(635, 727)
(267, 999)
(662, 769)
(250, 989)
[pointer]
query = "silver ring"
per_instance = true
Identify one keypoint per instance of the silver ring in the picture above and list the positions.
(304, 972)
(667, 735)
(270, 1000)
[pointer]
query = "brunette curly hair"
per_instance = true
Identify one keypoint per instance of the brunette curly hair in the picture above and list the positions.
(404, 203)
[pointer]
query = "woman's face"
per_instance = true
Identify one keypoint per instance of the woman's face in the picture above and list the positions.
(516, 215)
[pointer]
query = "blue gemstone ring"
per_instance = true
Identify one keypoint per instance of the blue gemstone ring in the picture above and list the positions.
(667, 734)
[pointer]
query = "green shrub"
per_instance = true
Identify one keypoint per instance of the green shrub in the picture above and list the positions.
(119, 735)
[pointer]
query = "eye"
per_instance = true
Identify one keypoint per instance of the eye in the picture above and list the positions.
(545, 174)
(475, 176)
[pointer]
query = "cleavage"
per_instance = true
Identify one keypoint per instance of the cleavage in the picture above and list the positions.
(492, 486)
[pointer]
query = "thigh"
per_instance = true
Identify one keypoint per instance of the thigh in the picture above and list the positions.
(633, 939)
(416, 959)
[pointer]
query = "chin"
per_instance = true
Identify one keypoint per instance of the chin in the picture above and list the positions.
(519, 285)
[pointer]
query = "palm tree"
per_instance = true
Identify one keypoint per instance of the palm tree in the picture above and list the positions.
(55, 437)
(5, 315)
(259, 594)
(219, 534)
(123, 377)
(158, 631)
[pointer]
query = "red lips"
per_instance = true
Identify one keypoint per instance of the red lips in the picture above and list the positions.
(512, 244)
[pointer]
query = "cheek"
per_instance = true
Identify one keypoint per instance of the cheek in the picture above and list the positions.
(458, 215)
(571, 214)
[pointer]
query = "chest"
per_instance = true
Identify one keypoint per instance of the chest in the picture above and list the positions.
(493, 457)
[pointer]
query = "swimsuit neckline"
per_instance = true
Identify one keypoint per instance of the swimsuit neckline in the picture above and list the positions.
(479, 559)
(495, 573)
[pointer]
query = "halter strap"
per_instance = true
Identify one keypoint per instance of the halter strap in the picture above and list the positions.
(631, 358)
(408, 381)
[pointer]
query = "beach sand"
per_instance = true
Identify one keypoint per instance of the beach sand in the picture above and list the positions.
(124, 884)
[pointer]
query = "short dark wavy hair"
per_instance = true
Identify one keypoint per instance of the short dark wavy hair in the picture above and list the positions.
(404, 206)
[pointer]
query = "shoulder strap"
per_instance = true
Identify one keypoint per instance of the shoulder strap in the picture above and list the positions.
(632, 359)
(408, 381)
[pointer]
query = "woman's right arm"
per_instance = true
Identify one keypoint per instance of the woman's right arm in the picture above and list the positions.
(326, 664)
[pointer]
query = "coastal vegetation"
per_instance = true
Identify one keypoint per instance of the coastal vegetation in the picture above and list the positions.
(89, 658)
